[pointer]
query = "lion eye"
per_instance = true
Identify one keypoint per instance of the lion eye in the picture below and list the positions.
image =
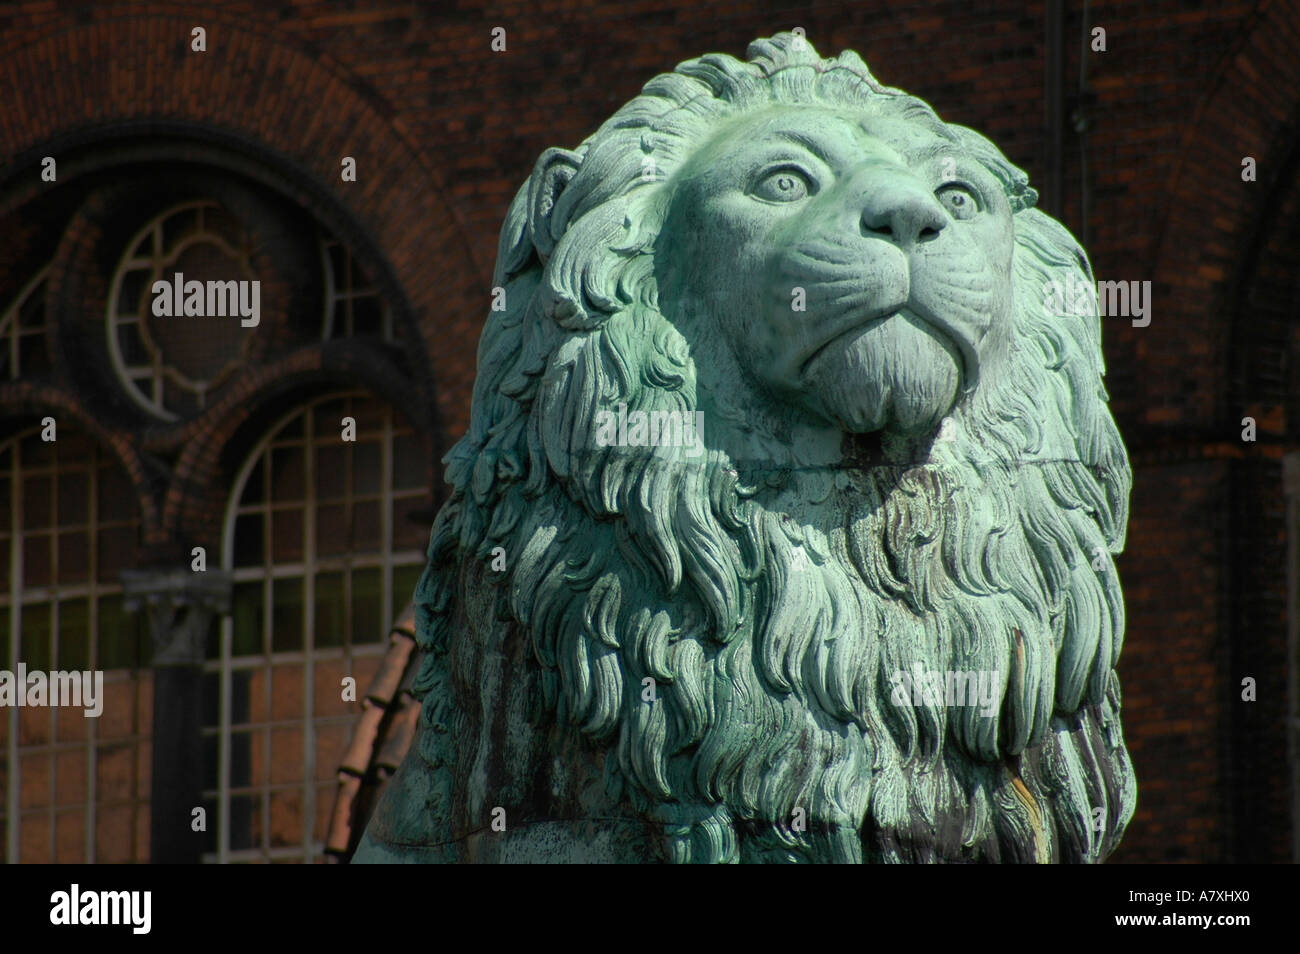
(958, 200)
(783, 185)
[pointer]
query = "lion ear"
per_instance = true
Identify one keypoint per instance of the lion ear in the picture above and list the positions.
(554, 169)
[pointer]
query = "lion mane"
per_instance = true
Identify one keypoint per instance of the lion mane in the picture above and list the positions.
(769, 645)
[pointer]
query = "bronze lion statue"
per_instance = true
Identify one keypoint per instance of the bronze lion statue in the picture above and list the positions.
(783, 529)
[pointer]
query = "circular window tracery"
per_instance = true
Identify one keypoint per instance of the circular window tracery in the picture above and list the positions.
(169, 365)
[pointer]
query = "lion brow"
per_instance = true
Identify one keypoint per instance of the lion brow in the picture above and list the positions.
(808, 142)
(937, 150)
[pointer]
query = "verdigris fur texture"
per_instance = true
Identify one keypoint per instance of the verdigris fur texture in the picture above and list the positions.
(743, 646)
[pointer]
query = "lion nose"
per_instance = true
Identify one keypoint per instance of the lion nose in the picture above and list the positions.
(903, 212)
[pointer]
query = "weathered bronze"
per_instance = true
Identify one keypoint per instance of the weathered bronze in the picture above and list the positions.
(783, 530)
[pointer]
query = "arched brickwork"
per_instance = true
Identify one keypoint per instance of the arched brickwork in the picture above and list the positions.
(1207, 359)
(292, 110)
(196, 498)
(1212, 218)
(24, 403)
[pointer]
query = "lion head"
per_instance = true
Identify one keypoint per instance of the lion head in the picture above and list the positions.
(904, 468)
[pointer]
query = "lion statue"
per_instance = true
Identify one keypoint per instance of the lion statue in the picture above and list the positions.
(774, 442)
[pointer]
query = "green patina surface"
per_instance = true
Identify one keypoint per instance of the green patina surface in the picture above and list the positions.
(784, 527)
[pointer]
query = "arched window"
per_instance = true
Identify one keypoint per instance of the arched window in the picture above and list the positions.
(168, 366)
(352, 305)
(324, 554)
(75, 789)
(22, 332)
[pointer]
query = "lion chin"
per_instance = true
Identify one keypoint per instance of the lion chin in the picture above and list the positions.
(871, 613)
(897, 374)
